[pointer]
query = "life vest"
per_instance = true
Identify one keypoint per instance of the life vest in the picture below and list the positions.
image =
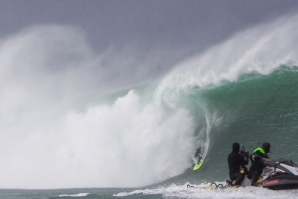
(260, 149)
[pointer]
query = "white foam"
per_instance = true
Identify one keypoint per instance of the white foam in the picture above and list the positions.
(74, 195)
(49, 127)
(260, 49)
(181, 191)
(52, 138)
(124, 140)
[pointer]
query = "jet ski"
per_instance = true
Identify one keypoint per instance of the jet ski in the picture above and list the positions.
(277, 175)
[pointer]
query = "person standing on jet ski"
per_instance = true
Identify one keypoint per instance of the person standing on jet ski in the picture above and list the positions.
(257, 166)
(198, 154)
(237, 162)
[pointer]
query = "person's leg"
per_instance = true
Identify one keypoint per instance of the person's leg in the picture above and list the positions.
(199, 159)
(239, 179)
(254, 177)
(249, 175)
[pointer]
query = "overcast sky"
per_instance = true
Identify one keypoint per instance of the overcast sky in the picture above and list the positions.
(157, 33)
(166, 22)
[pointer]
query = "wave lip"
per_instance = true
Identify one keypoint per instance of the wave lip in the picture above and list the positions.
(260, 49)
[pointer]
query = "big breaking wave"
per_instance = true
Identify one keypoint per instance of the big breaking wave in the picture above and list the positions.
(51, 129)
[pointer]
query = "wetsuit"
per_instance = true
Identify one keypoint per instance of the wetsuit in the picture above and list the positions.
(257, 166)
(198, 154)
(236, 161)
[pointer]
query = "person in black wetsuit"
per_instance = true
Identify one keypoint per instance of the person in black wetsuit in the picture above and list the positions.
(237, 162)
(257, 165)
(198, 154)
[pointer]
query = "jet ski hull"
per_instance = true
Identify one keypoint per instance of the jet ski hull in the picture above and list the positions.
(274, 183)
(281, 182)
(277, 175)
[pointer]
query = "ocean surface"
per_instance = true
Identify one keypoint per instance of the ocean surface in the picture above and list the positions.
(60, 139)
(254, 109)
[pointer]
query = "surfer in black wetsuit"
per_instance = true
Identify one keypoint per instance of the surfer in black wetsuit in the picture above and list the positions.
(198, 154)
(237, 162)
(257, 165)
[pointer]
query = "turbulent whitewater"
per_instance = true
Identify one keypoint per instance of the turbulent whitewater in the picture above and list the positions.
(63, 125)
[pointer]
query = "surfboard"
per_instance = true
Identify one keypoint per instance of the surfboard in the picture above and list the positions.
(198, 165)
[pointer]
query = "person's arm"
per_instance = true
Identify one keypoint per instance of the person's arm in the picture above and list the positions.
(246, 160)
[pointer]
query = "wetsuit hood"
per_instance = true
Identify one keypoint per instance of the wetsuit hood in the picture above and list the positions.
(236, 147)
(266, 146)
